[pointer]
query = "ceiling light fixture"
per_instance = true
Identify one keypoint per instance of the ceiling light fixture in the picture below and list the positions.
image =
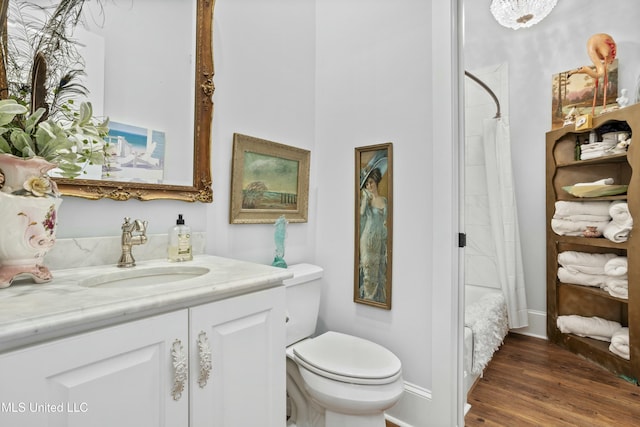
(521, 13)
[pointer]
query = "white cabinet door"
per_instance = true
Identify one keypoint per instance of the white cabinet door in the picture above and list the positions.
(116, 376)
(246, 337)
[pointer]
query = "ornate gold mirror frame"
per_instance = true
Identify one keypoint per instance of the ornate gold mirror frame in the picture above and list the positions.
(200, 190)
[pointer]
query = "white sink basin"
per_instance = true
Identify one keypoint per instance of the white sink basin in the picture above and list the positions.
(149, 276)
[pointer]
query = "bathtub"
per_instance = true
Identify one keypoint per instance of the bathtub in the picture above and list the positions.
(478, 301)
(473, 293)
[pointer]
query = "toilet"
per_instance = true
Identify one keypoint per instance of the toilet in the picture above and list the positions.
(334, 379)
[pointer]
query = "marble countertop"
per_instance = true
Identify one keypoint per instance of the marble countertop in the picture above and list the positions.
(31, 313)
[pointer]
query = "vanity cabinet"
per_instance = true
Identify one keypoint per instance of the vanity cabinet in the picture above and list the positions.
(216, 364)
(246, 337)
(120, 375)
(562, 169)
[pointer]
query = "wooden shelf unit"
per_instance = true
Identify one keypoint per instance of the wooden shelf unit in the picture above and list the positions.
(562, 298)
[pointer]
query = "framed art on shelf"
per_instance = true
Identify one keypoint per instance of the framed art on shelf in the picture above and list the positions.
(373, 225)
(573, 94)
(268, 180)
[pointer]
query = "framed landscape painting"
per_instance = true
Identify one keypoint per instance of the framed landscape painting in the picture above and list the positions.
(268, 179)
(573, 94)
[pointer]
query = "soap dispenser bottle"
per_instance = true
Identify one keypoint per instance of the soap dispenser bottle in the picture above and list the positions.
(180, 241)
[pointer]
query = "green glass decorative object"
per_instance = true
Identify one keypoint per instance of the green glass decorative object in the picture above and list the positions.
(279, 235)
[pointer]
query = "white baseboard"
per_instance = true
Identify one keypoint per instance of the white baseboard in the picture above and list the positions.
(537, 325)
(413, 408)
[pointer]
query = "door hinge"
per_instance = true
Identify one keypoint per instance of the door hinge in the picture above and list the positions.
(462, 240)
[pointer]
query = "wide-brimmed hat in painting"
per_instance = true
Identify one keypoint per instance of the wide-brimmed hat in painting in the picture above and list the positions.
(379, 161)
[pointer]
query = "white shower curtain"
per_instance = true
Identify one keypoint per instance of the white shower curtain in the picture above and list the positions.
(504, 218)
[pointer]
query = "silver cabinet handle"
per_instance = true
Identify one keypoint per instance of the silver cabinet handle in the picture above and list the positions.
(181, 371)
(204, 351)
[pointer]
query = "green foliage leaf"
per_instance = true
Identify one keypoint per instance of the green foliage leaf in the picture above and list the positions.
(85, 114)
(23, 143)
(33, 120)
(69, 170)
(9, 108)
(4, 146)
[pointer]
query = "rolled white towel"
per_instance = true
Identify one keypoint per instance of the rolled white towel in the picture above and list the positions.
(584, 279)
(618, 149)
(620, 343)
(617, 266)
(617, 287)
(566, 208)
(604, 181)
(615, 232)
(584, 262)
(591, 327)
(576, 228)
(620, 215)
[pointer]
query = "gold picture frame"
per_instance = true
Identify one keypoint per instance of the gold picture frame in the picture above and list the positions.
(373, 225)
(268, 179)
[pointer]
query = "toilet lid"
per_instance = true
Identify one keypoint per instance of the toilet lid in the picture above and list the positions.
(349, 359)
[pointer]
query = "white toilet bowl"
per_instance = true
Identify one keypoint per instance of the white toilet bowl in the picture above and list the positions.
(343, 381)
(333, 380)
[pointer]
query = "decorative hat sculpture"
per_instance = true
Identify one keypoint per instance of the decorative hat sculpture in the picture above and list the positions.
(602, 51)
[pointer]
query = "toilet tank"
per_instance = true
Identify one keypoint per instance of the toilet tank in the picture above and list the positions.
(303, 301)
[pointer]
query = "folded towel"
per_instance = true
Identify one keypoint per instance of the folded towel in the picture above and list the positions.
(620, 343)
(617, 266)
(564, 227)
(605, 181)
(617, 287)
(591, 327)
(585, 218)
(565, 208)
(615, 232)
(602, 145)
(584, 262)
(597, 149)
(584, 279)
(601, 152)
(594, 154)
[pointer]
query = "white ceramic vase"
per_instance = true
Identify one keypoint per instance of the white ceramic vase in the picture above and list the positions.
(27, 220)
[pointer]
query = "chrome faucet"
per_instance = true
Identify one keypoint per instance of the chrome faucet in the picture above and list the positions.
(128, 240)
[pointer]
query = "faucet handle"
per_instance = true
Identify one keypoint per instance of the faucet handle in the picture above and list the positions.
(141, 226)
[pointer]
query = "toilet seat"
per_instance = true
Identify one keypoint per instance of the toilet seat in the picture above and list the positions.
(348, 359)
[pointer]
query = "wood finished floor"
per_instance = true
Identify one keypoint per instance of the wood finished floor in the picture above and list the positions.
(532, 382)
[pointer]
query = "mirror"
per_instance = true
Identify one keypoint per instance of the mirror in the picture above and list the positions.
(150, 82)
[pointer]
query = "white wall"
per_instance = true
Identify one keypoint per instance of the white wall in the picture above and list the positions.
(534, 55)
(373, 87)
(264, 53)
(385, 73)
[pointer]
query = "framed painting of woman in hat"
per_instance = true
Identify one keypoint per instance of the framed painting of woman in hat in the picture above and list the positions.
(373, 225)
